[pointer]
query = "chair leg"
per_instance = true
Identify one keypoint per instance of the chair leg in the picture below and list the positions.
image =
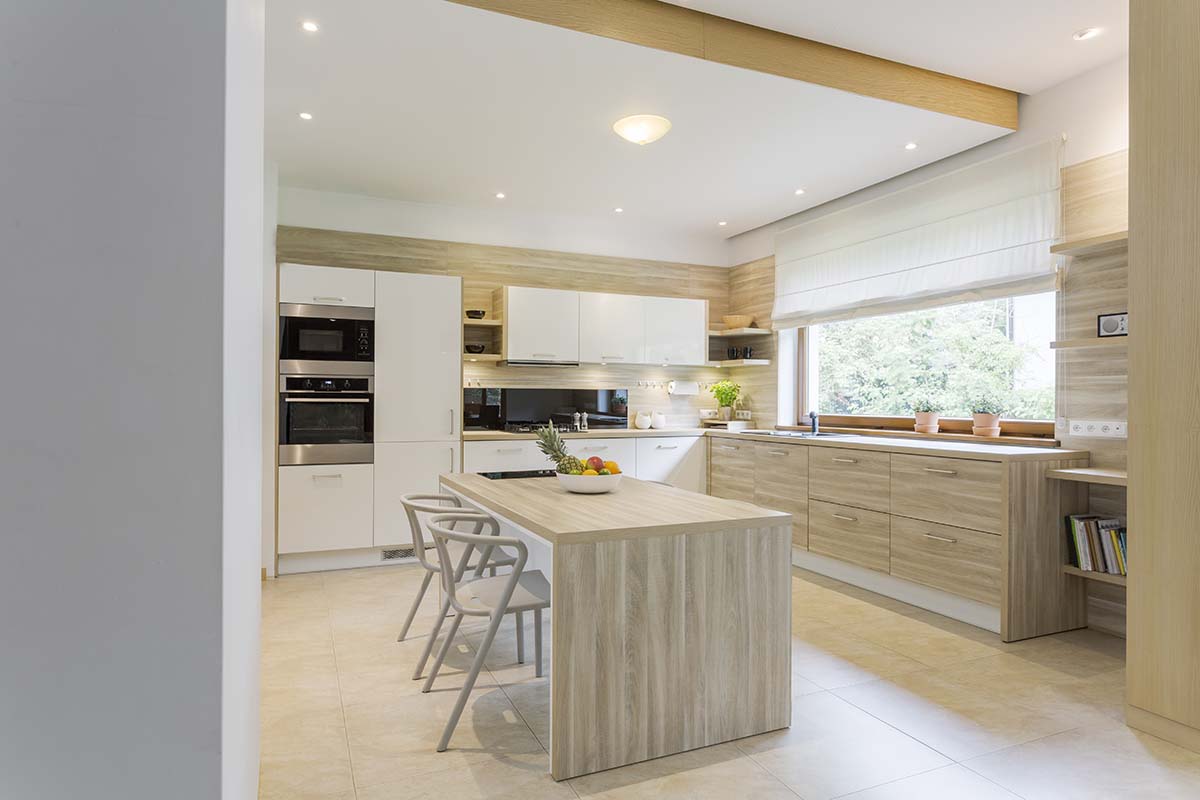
(441, 656)
(476, 666)
(537, 640)
(520, 638)
(433, 635)
(412, 612)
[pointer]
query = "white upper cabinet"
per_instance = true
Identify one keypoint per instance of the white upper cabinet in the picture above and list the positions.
(418, 357)
(612, 328)
(326, 286)
(540, 325)
(676, 331)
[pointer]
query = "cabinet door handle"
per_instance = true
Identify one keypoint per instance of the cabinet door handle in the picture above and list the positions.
(941, 471)
(328, 299)
(508, 449)
(594, 447)
(726, 447)
(667, 447)
(777, 452)
(327, 477)
(451, 459)
(846, 460)
(544, 355)
(945, 539)
(452, 422)
(843, 516)
(613, 358)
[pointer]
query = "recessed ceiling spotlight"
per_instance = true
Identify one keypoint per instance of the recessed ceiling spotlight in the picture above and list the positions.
(799, 192)
(642, 128)
(910, 146)
(500, 195)
(722, 223)
(309, 26)
(305, 115)
(1086, 33)
(619, 210)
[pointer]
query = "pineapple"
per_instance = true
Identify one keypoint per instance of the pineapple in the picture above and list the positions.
(550, 443)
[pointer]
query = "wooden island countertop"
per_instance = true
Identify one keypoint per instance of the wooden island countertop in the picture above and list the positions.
(636, 509)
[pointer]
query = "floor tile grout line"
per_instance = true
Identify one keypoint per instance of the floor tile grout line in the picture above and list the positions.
(337, 671)
(997, 783)
(890, 725)
(897, 780)
(767, 770)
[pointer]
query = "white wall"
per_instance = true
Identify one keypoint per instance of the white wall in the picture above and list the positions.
(242, 390)
(310, 208)
(119, 499)
(270, 363)
(1092, 109)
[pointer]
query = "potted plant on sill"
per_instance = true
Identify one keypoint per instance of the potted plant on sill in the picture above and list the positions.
(926, 410)
(985, 411)
(727, 393)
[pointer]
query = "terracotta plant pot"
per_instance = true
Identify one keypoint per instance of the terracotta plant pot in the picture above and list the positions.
(725, 413)
(986, 424)
(927, 422)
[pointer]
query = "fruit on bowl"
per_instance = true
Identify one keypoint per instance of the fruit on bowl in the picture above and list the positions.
(595, 476)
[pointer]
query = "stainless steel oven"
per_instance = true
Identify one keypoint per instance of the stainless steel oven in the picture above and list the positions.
(326, 340)
(326, 419)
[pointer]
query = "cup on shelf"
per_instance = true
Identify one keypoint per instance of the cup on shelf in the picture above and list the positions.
(732, 352)
(747, 352)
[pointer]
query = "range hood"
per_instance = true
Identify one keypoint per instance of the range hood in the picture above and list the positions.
(517, 363)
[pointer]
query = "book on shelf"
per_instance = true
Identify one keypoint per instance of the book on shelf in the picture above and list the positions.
(1097, 544)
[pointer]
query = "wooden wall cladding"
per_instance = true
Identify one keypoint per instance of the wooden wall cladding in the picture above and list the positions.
(1095, 196)
(752, 291)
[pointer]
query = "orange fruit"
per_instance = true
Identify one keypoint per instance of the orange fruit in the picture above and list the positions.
(612, 467)
(590, 472)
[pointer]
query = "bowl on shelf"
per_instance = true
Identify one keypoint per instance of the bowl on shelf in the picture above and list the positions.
(475, 349)
(733, 321)
(589, 484)
(476, 313)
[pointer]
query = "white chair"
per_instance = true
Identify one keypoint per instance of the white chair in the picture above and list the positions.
(486, 597)
(460, 555)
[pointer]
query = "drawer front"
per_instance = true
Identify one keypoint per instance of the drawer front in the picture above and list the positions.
(953, 491)
(622, 451)
(681, 461)
(781, 483)
(956, 560)
(499, 456)
(850, 534)
(326, 507)
(856, 478)
(731, 469)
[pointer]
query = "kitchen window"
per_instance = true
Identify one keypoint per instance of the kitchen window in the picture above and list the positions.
(878, 366)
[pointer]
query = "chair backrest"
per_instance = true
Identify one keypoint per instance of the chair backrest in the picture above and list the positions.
(415, 504)
(441, 528)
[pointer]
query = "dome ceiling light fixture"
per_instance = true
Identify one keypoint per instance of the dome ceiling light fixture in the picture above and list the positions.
(642, 128)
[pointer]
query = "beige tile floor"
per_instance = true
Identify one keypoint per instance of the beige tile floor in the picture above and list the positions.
(890, 702)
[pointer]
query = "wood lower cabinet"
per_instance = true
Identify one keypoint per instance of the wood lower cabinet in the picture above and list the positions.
(957, 560)
(860, 478)
(731, 469)
(851, 534)
(781, 483)
(953, 491)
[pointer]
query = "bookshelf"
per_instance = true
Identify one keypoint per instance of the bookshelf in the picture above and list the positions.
(1091, 575)
(1106, 477)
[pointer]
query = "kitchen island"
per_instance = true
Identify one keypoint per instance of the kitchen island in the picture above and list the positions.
(670, 615)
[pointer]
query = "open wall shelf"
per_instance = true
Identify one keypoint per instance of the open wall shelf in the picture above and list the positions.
(1107, 477)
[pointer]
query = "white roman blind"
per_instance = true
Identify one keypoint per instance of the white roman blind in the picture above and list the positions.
(979, 232)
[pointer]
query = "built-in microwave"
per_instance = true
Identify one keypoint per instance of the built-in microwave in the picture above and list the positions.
(326, 419)
(326, 340)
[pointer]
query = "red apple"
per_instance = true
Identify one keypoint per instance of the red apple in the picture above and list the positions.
(596, 463)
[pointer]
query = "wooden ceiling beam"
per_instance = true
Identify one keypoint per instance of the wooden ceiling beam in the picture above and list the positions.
(662, 26)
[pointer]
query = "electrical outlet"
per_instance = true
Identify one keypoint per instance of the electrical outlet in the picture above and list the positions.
(741, 414)
(1097, 428)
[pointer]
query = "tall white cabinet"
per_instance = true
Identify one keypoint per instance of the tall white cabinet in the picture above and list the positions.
(418, 392)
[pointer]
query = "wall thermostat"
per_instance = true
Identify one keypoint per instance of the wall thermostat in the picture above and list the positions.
(1112, 324)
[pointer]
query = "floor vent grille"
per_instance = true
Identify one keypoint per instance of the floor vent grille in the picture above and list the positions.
(395, 553)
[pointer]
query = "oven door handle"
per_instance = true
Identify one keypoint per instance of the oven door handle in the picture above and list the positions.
(326, 399)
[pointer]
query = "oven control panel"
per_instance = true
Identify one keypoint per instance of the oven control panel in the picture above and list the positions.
(319, 384)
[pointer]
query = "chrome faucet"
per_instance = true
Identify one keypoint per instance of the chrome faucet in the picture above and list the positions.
(815, 421)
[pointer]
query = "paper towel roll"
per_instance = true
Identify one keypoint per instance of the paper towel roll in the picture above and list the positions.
(683, 387)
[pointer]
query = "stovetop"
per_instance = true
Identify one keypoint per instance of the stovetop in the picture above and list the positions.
(522, 473)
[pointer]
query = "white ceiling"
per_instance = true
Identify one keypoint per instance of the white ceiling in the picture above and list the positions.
(433, 102)
(1023, 45)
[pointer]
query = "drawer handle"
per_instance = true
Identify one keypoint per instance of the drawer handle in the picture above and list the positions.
(848, 519)
(544, 355)
(508, 449)
(328, 299)
(667, 447)
(613, 358)
(595, 447)
(945, 539)
(846, 460)
(726, 447)
(327, 477)
(777, 452)
(941, 471)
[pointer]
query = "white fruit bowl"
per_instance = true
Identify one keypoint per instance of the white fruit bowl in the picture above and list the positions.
(589, 484)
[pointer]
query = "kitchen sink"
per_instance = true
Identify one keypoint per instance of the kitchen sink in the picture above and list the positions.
(796, 434)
